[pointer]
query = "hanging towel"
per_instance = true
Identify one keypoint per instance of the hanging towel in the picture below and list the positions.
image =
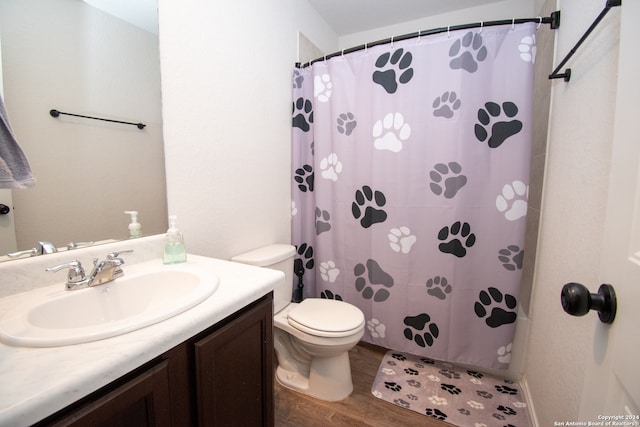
(15, 171)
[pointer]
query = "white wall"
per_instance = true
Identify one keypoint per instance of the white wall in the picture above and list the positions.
(226, 84)
(573, 211)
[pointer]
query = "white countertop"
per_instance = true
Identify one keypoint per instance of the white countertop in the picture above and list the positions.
(37, 382)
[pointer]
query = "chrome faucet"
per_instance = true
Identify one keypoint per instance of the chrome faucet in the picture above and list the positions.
(103, 272)
(41, 249)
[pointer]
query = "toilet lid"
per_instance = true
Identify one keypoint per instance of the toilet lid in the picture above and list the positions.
(326, 317)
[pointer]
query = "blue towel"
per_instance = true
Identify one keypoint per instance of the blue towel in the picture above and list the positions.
(15, 171)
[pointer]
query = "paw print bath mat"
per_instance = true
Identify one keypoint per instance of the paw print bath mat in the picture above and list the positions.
(449, 393)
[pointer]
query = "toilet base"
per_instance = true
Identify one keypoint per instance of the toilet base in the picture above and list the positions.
(329, 378)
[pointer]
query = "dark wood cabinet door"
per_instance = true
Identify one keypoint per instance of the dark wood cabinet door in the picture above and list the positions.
(141, 401)
(234, 370)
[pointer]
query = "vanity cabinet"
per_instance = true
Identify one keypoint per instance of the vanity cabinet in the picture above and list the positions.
(222, 376)
(234, 371)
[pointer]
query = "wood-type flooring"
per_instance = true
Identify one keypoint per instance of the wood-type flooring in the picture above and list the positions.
(293, 409)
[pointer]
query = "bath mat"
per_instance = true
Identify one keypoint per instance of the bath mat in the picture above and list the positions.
(449, 393)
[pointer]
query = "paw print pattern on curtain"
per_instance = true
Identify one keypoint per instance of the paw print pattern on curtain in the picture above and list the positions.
(410, 169)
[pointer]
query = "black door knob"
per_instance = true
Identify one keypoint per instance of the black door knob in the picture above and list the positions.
(577, 301)
(4, 209)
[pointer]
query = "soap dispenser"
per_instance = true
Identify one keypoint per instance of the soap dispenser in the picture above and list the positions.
(174, 251)
(135, 229)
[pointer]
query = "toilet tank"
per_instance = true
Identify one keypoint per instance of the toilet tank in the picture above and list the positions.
(277, 257)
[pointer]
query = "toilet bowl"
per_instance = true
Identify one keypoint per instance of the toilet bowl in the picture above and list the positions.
(312, 338)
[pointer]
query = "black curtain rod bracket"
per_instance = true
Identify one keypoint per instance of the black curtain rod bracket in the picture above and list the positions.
(553, 20)
(56, 113)
(567, 72)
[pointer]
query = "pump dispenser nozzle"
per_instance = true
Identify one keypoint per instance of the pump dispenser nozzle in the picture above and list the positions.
(172, 224)
(174, 252)
(135, 229)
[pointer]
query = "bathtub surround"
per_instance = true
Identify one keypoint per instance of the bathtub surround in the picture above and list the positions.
(411, 167)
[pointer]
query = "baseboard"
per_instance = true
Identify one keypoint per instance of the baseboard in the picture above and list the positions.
(524, 385)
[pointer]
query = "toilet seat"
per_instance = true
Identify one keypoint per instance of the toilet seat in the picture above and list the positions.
(326, 318)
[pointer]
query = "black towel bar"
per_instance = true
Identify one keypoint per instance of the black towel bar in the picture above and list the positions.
(567, 72)
(56, 113)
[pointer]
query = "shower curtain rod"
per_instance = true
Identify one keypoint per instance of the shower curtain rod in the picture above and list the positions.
(553, 20)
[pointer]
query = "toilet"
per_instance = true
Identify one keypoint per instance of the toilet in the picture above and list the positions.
(312, 338)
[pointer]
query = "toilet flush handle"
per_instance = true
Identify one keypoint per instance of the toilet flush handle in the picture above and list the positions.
(298, 270)
(577, 301)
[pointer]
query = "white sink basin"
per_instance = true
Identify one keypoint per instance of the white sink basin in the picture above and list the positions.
(148, 294)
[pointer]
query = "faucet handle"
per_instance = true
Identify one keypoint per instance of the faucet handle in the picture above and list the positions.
(75, 245)
(76, 272)
(72, 264)
(30, 252)
(114, 255)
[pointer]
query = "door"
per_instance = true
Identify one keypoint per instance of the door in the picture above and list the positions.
(612, 384)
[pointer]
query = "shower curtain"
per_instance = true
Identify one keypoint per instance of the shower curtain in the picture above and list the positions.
(410, 184)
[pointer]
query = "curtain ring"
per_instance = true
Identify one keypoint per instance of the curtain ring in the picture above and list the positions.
(325, 59)
(391, 45)
(481, 25)
(513, 24)
(539, 22)
(449, 31)
(365, 49)
(343, 55)
(418, 41)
